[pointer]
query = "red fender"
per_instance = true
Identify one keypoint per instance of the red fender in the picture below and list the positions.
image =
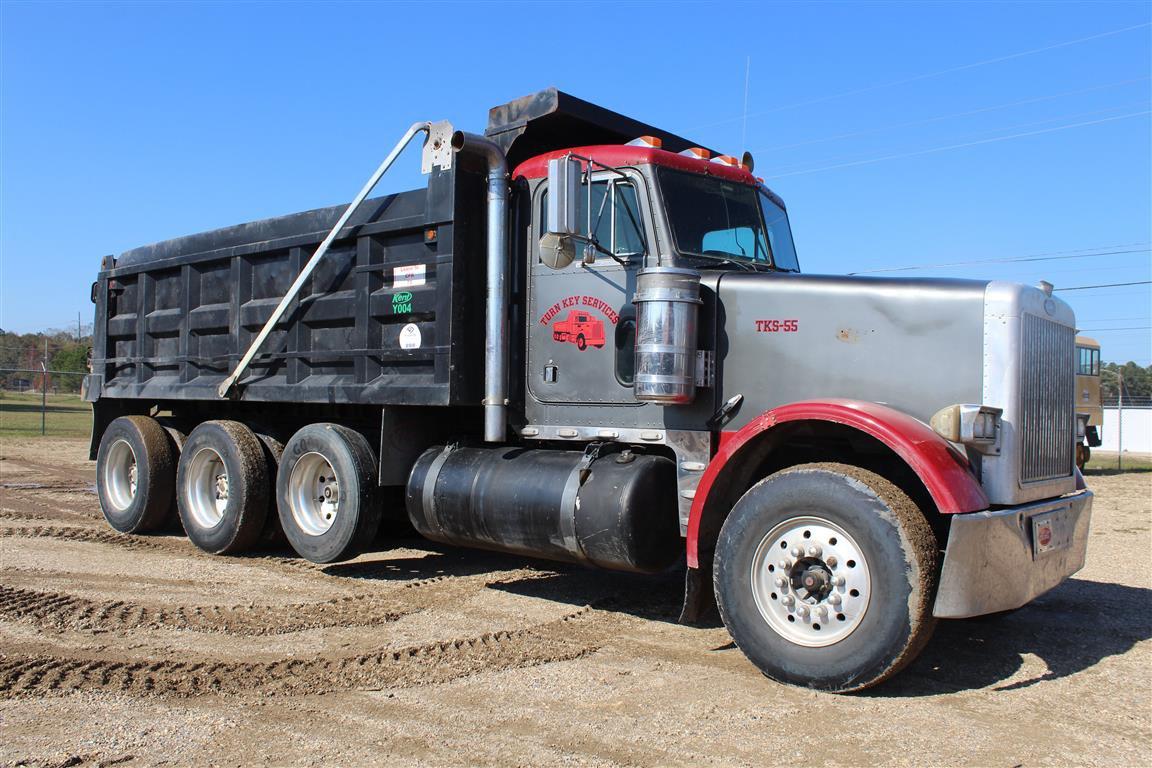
(945, 472)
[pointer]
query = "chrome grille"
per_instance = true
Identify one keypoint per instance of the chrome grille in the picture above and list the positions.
(1047, 399)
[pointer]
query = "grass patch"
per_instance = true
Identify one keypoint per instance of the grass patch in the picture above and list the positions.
(65, 415)
(1104, 463)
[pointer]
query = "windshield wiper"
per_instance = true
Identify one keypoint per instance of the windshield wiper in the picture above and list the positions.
(722, 260)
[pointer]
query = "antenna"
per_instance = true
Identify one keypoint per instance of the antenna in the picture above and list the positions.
(744, 121)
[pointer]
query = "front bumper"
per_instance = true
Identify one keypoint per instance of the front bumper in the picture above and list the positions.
(993, 562)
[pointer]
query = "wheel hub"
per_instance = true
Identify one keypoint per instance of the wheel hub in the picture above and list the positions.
(206, 488)
(810, 581)
(314, 494)
(813, 577)
(120, 475)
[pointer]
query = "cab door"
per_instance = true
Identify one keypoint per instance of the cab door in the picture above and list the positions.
(581, 321)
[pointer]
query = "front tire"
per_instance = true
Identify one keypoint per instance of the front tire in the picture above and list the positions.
(327, 494)
(825, 575)
(1083, 454)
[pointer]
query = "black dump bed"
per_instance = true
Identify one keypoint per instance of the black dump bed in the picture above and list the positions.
(174, 318)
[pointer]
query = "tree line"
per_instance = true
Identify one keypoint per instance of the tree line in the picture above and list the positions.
(67, 350)
(1137, 382)
(23, 354)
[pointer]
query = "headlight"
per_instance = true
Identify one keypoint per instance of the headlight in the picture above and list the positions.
(977, 426)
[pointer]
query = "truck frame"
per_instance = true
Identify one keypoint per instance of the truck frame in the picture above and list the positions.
(588, 339)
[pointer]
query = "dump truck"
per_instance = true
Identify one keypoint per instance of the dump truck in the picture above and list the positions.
(581, 329)
(835, 462)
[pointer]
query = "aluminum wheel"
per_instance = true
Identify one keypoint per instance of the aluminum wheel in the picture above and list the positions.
(314, 494)
(810, 581)
(120, 475)
(206, 488)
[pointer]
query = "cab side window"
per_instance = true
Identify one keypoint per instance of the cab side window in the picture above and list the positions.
(616, 222)
(1088, 362)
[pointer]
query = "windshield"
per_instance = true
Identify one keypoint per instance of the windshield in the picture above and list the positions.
(722, 220)
(779, 235)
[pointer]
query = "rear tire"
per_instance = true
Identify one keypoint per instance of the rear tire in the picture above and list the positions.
(272, 537)
(825, 575)
(327, 494)
(177, 436)
(222, 487)
(136, 475)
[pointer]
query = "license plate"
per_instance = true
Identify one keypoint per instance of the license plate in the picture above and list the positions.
(1050, 532)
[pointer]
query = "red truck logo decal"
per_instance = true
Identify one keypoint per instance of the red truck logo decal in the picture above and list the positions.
(579, 328)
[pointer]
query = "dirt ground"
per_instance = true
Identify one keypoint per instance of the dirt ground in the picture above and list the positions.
(118, 650)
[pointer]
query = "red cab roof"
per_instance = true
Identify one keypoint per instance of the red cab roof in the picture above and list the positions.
(618, 155)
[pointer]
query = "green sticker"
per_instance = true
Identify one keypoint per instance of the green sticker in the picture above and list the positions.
(402, 303)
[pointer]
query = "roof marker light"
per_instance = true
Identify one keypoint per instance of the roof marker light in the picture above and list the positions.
(697, 152)
(726, 160)
(651, 142)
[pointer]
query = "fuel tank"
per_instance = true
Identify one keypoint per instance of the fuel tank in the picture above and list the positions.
(615, 511)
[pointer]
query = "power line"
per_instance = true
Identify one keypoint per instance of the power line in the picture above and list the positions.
(932, 150)
(1110, 111)
(1113, 319)
(1129, 328)
(952, 115)
(1081, 253)
(1103, 285)
(927, 75)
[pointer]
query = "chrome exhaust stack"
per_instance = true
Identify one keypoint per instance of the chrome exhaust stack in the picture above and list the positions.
(496, 300)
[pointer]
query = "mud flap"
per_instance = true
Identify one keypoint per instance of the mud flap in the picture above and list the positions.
(699, 599)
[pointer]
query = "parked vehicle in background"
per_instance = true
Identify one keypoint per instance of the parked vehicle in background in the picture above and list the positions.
(1089, 413)
(839, 461)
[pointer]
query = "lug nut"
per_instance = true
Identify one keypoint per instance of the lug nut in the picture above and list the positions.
(831, 561)
(781, 581)
(834, 599)
(788, 600)
(803, 611)
(838, 581)
(784, 564)
(814, 550)
(795, 552)
(821, 611)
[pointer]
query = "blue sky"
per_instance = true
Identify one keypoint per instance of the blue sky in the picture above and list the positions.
(900, 134)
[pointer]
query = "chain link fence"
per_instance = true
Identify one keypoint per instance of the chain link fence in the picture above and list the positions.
(43, 401)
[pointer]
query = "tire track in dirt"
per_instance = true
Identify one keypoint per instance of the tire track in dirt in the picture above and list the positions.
(172, 544)
(86, 489)
(59, 471)
(418, 665)
(369, 571)
(18, 510)
(61, 611)
(73, 533)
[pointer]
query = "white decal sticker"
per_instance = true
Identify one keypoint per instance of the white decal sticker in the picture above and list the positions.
(410, 337)
(406, 277)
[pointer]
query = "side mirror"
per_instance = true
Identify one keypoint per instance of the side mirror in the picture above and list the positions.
(557, 248)
(563, 187)
(557, 251)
